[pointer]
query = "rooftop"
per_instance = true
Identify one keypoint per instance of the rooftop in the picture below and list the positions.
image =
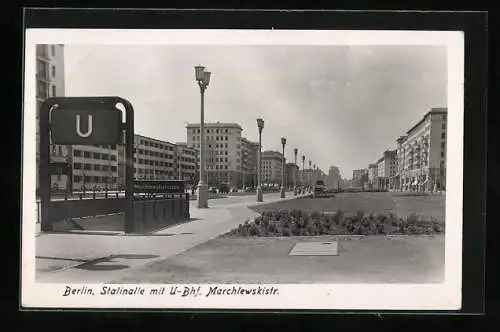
(435, 110)
(215, 125)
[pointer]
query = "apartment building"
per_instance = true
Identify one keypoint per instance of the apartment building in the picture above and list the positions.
(333, 179)
(291, 175)
(386, 169)
(250, 152)
(223, 152)
(373, 176)
(50, 83)
(185, 163)
(95, 167)
(272, 167)
(421, 154)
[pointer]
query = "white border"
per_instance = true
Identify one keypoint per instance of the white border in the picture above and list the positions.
(446, 296)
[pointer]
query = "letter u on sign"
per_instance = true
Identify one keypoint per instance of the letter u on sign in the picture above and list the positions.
(89, 126)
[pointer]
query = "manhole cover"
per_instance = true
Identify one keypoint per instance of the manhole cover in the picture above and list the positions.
(315, 249)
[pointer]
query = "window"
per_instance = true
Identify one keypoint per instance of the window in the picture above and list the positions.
(53, 90)
(443, 135)
(442, 154)
(77, 166)
(442, 145)
(53, 71)
(86, 154)
(96, 155)
(113, 168)
(53, 50)
(97, 167)
(77, 178)
(96, 179)
(87, 167)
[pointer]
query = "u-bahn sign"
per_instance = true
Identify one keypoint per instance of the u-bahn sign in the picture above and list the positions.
(159, 186)
(85, 121)
(86, 126)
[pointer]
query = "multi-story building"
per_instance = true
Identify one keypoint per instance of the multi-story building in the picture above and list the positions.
(373, 176)
(422, 153)
(50, 83)
(272, 167)
(359, 178)
(95, 167)
(160, 160)
(223, 152)
(333, 180)
(291, 175)
(249, 152)
(185, 161)
(386, 168)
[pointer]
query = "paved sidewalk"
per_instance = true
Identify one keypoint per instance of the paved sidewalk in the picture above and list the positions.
(59, 254)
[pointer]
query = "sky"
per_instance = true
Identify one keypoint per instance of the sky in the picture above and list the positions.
(338, 105)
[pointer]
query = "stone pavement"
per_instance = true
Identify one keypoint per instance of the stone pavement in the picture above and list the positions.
(60, 256)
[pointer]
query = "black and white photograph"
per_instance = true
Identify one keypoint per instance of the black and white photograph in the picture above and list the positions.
(242, 169)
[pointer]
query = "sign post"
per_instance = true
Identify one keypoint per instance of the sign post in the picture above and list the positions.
(85, 121)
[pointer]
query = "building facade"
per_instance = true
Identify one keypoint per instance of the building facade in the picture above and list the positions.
(95, 167)
(386, 169)
(421, 154)
(50, 83)
(249, 152)
(160, 160)
(359, 178)
(333, 180)
(230, 158)
(272, 167)
(291, 175)
(373, 176)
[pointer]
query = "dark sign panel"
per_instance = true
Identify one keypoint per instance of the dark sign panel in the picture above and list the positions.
(159, 186)
(60, 168)
(86, 127)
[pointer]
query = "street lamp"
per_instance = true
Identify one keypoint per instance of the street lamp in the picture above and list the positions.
(294, 171)
(260, 125)
(283, 143)
(310, 174)
(203, 79)
(303, 171)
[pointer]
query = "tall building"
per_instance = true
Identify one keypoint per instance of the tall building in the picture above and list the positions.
(421, 153)
(333, 180)
(50, 83)
(272, 167)
(223, 152)
(291, 175)
(373, 176)
(249, 151)
(386, 168)
(359, 178)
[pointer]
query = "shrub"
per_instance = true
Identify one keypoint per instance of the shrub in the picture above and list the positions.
(298, 223)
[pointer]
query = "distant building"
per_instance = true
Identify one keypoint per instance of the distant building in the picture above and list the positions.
(359, 178)
(272, 167)
(373, 176)
(386, 168)
(333, 180)
(291, 175)
(421, 154)
(249, 152)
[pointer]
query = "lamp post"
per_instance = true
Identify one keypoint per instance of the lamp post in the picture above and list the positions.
(203, 79)
(310, 174)
(303, 170)
(260, 125)
(283, 143)
(295, 171)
